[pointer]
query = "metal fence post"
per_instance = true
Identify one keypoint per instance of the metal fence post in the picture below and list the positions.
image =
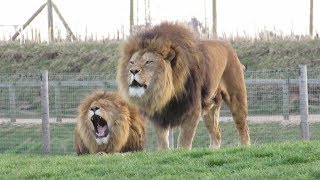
(304, 112)
(13, 105)
(57, 102)
(45, 112)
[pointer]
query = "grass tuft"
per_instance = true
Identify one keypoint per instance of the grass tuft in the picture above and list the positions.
(216, 162)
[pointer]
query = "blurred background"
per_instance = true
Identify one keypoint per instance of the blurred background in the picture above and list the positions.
(100, 19)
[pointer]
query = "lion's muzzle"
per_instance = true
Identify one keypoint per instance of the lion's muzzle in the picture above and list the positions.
(136, 89)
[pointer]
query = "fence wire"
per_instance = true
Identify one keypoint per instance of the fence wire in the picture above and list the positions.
(273, 107)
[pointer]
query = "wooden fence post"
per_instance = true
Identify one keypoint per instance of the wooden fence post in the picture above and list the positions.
(64, 22)
(50, 22)
(12, 101)
(131, 17)
(304, 112)
(18, 32)
(214, 19)
(311, 19)
(45, 112)
(57, 101)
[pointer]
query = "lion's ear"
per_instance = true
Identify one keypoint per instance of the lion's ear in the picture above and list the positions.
(171, 55)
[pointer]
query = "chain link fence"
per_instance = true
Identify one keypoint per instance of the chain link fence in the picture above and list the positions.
(273, 104)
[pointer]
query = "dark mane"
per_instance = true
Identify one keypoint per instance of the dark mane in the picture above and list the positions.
(188, 66)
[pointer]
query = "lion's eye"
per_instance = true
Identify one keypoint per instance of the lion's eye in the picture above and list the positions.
(131, 62)
(149, 62)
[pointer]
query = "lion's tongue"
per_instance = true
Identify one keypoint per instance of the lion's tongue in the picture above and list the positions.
(101, 130)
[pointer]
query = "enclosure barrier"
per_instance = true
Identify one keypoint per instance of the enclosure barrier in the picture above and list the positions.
(277, 104)
(304, 111)
(45, 112)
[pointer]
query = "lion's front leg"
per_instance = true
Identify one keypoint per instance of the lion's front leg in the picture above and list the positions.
(188, 129)
(78, 144)
(162, 136)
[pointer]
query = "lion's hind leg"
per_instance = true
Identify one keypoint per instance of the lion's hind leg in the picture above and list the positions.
(237, 103)
(211, 121)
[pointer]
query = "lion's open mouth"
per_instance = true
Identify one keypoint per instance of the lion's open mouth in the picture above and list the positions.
(136, 84)
(100, 125)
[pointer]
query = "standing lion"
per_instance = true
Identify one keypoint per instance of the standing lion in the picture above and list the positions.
(107, 124)
(174, 78)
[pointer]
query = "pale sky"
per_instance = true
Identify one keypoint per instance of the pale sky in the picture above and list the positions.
(103, 17)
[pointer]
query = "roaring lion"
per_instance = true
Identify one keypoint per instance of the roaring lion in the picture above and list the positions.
(175, 78)
(108, 124)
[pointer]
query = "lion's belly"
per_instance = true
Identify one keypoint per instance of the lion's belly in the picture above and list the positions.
(169, 118)
(177, 111)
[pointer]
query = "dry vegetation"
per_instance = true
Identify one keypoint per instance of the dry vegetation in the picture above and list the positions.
(102, 57)
(279, 53)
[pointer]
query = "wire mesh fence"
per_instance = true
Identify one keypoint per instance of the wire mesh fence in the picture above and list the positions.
(273, 106)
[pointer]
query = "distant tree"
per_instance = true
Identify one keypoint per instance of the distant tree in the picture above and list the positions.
(198, 27)
(195, 25)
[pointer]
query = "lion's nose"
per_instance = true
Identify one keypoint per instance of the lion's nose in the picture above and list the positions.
(94, 108)
(134, 71)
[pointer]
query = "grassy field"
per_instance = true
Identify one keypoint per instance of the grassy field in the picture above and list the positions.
(58, 58)
(26, 138)
(102, 57)
(299, 160)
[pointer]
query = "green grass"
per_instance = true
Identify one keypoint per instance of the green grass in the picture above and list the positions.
(60, 57)
(278, 54)
(102, 57)
(299, 160)
(27, 138)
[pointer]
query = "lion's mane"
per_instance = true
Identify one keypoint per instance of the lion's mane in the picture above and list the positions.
(187, 63)
(127, 131)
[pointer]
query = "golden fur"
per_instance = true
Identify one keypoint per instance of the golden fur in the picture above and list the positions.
(126, 127)
(175, 79)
